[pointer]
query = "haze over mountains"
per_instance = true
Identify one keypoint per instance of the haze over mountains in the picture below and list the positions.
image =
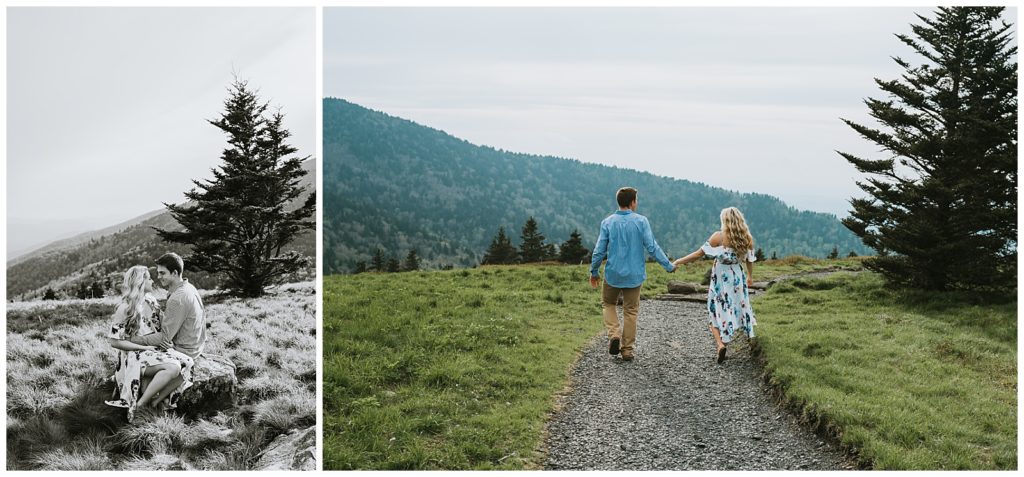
(106, 253)
(392, 184)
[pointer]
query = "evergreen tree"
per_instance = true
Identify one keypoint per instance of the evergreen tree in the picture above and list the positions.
(378, 260)
(834, 254)
(96, 291)
(532, 248)
(550, 252)
(237, 223)
(501, 251)
(393, 265)
(759, 255)
(50, 294)
(412, 262)
(852, 254)
(941, 210)
(573, 251)
(774, 255)
(360, 267)
(83, 291)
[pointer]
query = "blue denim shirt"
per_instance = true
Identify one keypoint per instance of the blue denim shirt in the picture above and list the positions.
(625, 236)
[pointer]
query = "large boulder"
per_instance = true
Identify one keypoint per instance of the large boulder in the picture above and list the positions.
(676, 287)
(295, 450)
(213, 388)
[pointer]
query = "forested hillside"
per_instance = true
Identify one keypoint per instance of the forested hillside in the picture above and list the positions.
(104, 258)
(393, 184)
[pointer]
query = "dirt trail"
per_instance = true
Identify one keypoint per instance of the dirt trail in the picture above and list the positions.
(673, 407)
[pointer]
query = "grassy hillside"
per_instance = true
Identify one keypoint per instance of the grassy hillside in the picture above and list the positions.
(106, 254)
(459, 369)
(393, 184)
(58, 361)
(909, 380)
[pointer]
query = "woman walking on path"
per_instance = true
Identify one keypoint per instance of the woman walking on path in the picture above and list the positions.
(728, 296)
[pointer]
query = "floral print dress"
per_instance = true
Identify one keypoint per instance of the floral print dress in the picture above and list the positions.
(728, 298)
(131, 364)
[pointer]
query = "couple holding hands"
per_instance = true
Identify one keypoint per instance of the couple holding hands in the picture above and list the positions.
(626, 239)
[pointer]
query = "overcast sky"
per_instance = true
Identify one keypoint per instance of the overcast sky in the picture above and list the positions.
(107, 107)
(748, 99)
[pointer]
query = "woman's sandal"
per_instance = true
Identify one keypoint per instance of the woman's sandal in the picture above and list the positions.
(721, 354)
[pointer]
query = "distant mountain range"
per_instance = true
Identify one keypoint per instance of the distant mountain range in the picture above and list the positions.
(392, 184)
(103, 255)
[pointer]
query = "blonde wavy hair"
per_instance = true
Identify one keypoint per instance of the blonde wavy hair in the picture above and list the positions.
(134, 296)
(734, 226)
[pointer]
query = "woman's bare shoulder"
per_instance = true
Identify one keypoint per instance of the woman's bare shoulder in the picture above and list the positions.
(716, 238)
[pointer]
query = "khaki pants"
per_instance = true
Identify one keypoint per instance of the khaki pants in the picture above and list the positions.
(630, 308)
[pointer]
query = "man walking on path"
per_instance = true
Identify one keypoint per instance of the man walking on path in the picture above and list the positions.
(625, 236)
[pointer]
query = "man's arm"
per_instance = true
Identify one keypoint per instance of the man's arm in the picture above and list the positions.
(654, 250)
(173, 319)
(600, 250)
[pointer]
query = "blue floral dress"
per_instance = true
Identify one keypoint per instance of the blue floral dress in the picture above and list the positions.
(131, 364)
(728, 298)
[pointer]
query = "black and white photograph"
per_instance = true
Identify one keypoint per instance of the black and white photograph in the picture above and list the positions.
(161, 238)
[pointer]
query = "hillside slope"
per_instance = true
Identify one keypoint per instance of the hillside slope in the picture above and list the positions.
(96, 255)
(397, 185)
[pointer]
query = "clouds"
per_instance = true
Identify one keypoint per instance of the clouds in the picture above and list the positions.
(743, 98)
(107, 106)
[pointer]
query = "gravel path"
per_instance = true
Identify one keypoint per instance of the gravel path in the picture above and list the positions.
(673, 407)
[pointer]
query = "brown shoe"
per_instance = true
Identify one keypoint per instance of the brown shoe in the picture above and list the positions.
(627, 356)
(613, 346)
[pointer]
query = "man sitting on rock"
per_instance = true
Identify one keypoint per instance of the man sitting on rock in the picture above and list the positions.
(183, 327)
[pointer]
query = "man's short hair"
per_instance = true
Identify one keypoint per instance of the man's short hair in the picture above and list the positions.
(625, 196)
(172, 262)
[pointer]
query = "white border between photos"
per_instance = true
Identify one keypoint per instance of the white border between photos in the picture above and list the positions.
(318, 124)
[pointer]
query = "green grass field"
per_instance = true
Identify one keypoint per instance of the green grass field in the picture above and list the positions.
(460, 369)
(907, 380)
(455, 369)
(58, 362)
(448, 370)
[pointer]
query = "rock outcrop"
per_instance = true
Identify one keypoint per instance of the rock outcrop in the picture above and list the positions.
(213, 388)
(676, 287)
(295, 450)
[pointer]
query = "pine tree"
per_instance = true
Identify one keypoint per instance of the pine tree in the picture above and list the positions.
(834, 254)
(96, 291)
(852, 254)
(501, 251)
(360, 267)
(774, 255)
(759, 255)
(393, 265)
(573, 251)
(941, 210)
(49, 294)
(378, 260)
(412, 262)
(83, 291)
(238, 224)
(533, 249)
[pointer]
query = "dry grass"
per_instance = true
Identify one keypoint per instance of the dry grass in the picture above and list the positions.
(59, 363)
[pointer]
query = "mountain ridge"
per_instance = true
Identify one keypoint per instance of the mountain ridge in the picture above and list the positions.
(393, 184)
(101, 254)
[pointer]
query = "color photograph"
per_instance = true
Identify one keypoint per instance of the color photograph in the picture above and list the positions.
(670, 238)
(161, 239)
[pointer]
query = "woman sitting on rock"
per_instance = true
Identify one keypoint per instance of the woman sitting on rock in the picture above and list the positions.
(145, 375)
